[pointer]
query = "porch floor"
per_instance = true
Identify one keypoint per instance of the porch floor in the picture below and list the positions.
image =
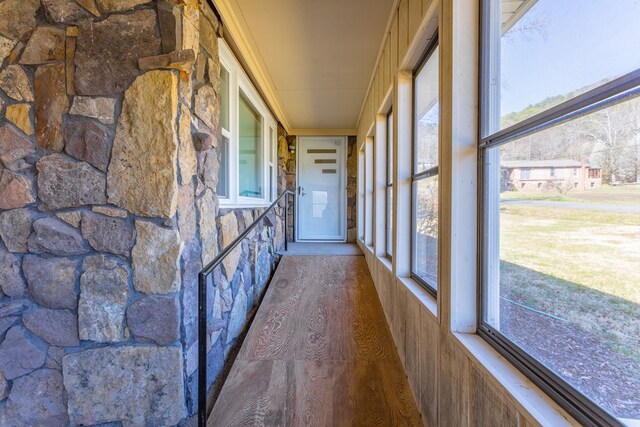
(319, 352)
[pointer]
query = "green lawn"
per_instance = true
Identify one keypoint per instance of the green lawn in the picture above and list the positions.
(580, 265)
(621, 194)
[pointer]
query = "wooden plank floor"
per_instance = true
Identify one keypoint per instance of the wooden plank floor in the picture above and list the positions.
(319, 353)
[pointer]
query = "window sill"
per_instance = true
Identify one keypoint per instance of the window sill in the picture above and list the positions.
(386, 262)
(532, 402)
(429, 302)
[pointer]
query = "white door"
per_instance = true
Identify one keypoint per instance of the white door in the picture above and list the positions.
(321, 188)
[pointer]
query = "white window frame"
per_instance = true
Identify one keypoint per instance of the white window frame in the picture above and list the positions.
(239, 81)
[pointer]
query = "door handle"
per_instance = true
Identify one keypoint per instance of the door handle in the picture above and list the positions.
(301, 191)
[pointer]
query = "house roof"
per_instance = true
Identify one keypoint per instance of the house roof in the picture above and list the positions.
(559, 163)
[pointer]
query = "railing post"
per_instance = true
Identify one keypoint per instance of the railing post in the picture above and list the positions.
(286, 221)
(202, 349)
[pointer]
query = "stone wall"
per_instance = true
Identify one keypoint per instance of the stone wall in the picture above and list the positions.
(109, 126)
(287, 172)
(352, 189)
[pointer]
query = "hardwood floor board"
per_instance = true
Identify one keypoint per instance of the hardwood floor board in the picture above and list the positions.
(319, 353)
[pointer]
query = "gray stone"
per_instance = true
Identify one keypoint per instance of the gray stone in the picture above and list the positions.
(14, 147)
(109, 6)
(55, 237)
(191, 267)
(107, 52)
(12, 309)
(88, 141)
(38, 399)
(102, 109)
(16, 190)
(63, 183)
(164, 247)
(51, 281)
(15, 83)
(10, 280)
(186, 213)
(18, 18)
(6, 323)
(57, 327)
(52, 103)
(208, 210)
(143, 386)
(54, 358)
(64, 11)
(146, 140)
(155, 318)
(106, 234)
(238, 316)
(5, 387)
(21, 353)
(104, 290)
(45, 45)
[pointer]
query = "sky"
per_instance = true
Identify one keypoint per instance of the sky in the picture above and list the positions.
(574, 43)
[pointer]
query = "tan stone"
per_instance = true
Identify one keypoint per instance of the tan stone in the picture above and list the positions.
(6, 46)
(108, 6)
(15, 83)
(207, 106)
(102, 109)
(18, 18)
(179, 60)
(51, 103)
(71, 218)
(142, 176)
(18, 114)
(229, 231)
(186, 213)
(15, 190)
(208, 32)
(90, 5)
(187, 154)
(156, 259)
(109, 211)
(191, 26)
(208, 209)
(45, 45)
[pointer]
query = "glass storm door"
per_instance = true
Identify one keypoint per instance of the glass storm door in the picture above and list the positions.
(321, 188)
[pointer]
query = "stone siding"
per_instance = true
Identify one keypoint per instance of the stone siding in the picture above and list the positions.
(109, 130)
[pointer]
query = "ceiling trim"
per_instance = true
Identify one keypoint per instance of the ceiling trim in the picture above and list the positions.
(323, 132)
(235, 26)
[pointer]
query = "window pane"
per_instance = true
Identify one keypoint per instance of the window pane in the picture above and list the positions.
(389, 222)
(250, 155)
(426, 126)
(223, 174)
(558, 50)
(425, 242)
(390, 148)
(224, 103)
(563, 280)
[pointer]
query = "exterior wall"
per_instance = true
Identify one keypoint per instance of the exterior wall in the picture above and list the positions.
(352, 188)
(287, 172)
(109, 126)
(541, 179)
(456, 377)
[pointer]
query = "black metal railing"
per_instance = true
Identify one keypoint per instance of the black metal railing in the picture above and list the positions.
(203, 277)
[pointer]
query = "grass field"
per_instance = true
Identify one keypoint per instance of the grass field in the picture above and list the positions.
(579, 265)
(622, 194)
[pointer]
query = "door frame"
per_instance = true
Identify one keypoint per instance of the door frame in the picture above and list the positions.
(343, 188)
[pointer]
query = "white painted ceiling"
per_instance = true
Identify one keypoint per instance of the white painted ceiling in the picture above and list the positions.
(319, 54)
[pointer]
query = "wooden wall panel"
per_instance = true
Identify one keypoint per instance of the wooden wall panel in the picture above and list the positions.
(412, 344)
(415, 16)
(387, 61)
(453, 387)
(399, 319)
(429, 338)
(489, 407)
(403, 28)
(394, 44)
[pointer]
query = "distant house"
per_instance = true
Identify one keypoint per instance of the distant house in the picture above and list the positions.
(543, 175)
